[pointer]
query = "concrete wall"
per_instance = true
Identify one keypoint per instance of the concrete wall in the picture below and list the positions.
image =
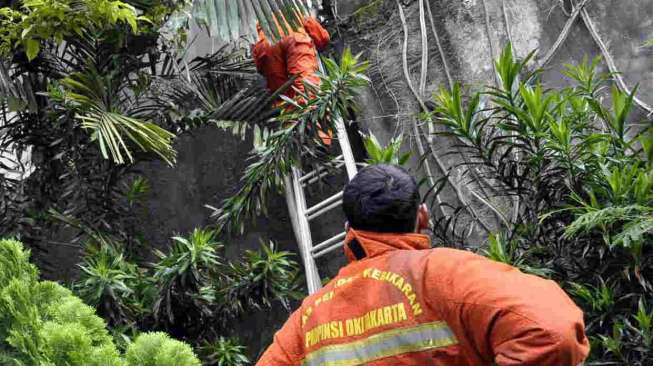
(470, 38)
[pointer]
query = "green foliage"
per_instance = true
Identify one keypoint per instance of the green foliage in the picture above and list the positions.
(503, 249)
(389, 154)
(137, 190)
(189, 259)
(262, 277)
(644, 318)
(42, 323)
(14, 262)
(158, 349)
(180, 274)
(35, 21)
(93, 97)
(225, 352)
(299, 136)
(582, 176)
(186, 289)
(598, 299)
(107, 283)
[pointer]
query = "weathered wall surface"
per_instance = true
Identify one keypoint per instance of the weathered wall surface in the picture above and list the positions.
(472, 33)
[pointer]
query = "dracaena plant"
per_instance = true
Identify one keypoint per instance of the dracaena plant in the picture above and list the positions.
(180, 274)
(260, 279)
(389, 154)
(579, 173)
(298, 135)
(106, 282)
(225, 352)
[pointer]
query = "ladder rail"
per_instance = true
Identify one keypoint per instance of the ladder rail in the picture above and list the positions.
(312, 276)
(301, 215)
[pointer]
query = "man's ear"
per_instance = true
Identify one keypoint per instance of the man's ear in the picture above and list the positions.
(423, 218)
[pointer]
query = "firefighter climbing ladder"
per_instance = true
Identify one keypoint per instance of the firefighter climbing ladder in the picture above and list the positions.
(301, 215)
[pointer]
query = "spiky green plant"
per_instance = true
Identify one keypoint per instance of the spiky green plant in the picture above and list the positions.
(180, 274)
(259, 279)
(225, 352)
(389, 154)
(581, 173)
(106, 283)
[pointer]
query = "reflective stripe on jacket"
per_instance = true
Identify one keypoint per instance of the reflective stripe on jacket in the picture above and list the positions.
(407, 304)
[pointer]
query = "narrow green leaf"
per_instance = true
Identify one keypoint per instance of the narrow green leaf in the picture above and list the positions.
(32, 48)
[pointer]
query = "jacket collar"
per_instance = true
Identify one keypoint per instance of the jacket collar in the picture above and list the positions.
(375, 244)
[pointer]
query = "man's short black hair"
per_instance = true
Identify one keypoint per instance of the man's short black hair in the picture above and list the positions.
(382, 198)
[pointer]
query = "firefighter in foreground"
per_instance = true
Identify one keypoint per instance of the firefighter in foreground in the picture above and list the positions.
(399, 302)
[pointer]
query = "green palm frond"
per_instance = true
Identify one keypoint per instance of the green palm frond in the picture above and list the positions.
(99, 111)
(108, 129)
(235, 19)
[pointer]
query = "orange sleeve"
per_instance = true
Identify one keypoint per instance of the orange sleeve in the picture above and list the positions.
(287, 348)
(507, 316)
(316, 31)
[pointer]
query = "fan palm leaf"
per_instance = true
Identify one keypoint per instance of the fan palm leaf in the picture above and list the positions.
(232, 20)
(99, 111)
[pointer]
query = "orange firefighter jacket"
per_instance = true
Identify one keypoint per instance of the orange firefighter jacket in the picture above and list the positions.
(407, 304)
(294, 54)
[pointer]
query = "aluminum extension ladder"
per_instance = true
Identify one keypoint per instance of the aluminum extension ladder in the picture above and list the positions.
(301, 215)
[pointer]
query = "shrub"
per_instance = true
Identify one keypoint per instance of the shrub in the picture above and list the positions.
(188, 287)
(42, 323)
(225, 352)
(106, 283)
(158, 349)
(583, 183)
(259, 279)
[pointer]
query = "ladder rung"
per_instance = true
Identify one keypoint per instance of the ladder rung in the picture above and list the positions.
(324, 203)
(329, 242)
(322, 175)
(329, 250)
(321, 170)
(324, 210)
(358, 164)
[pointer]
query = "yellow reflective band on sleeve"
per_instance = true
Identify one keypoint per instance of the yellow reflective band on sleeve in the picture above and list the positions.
(390, 343)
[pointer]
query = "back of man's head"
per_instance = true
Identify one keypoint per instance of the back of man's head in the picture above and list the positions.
(382, 198)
